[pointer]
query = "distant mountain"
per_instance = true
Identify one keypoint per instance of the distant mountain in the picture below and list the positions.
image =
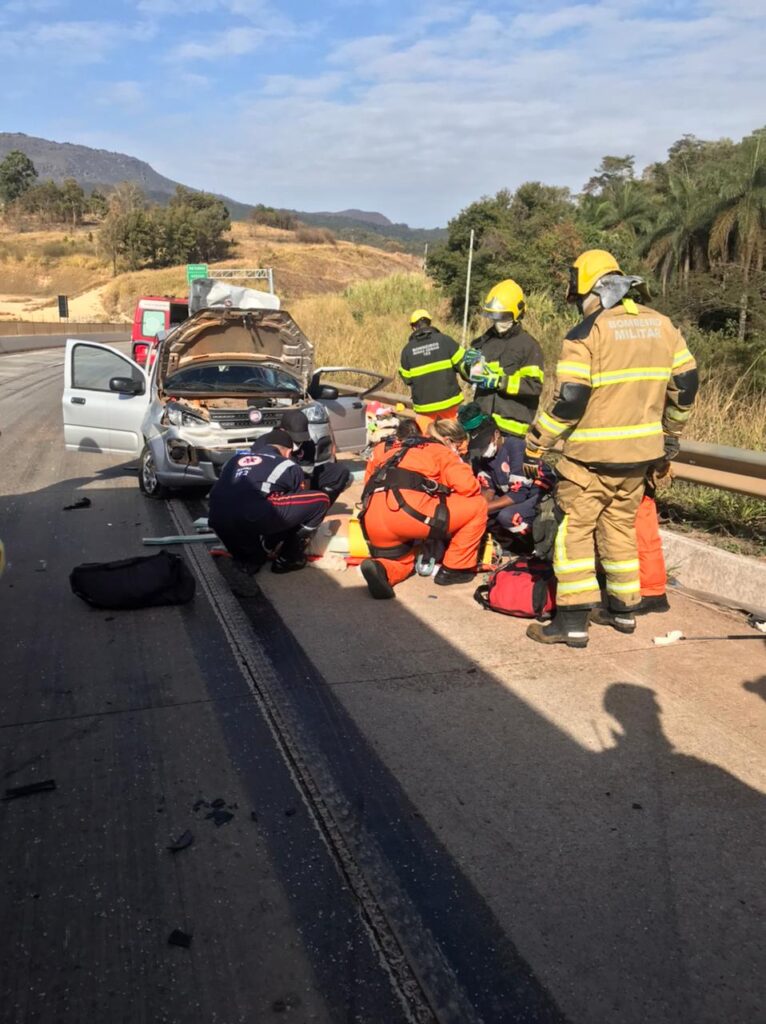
(362, 216)
(101, 169)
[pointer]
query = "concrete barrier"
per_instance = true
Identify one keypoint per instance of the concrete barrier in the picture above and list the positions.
(736, 579)
(70, 328)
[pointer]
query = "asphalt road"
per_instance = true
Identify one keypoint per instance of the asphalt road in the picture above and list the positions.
(144, 719)
(449, 823)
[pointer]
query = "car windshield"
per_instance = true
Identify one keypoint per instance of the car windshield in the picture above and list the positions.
(246, 378)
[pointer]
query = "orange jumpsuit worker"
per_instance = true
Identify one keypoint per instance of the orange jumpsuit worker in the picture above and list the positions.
(425, 478)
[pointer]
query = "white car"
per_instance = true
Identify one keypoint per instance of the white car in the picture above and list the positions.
(220, 380)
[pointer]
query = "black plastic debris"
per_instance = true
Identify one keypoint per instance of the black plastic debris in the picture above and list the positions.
(182, 843)
(218, 802)
(289, 812)
(14, 792)
(638, 807)
(179, 938)
(219, 817)
(82, 503)
(200, 803)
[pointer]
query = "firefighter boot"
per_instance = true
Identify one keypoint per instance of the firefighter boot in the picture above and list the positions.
(624, 621)
(570, 627)
(653, 603)
(376, 579)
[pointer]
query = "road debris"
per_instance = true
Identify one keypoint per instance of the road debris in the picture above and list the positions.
(219, 817)
(82, 503)
(14, 792)
(675, 635)
(179, 938)
(182, 843)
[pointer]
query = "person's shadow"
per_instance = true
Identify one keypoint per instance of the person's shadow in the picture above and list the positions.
(692, 839)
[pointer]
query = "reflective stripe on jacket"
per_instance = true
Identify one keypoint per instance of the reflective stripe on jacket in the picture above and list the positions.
(517, 357)
(428, 366)
(622, 365)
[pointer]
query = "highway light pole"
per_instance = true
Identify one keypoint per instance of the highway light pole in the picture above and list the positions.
(467, 287)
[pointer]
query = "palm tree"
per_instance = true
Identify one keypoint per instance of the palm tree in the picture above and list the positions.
(625, 204)
(739, 228)
(680, 242)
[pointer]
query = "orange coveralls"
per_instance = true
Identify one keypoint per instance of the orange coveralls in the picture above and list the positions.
(387, 526)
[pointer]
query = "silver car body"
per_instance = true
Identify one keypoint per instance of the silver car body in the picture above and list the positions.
(219, 381)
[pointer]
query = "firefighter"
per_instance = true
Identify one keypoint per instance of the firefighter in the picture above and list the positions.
(429, 366)
(505, 363)
(625, 385)
(260, 506)
(419, 488)
(498, 463)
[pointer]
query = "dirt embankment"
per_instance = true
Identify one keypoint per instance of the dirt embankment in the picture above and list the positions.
(36, 267)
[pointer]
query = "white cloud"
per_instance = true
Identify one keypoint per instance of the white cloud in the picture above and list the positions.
(232, 42)
(128, 94)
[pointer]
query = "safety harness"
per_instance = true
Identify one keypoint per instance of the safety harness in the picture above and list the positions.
(391, 477)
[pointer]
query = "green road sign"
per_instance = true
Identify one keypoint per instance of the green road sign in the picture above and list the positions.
(195, 270)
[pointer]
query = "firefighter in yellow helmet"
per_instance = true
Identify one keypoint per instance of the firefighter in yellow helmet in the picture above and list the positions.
(625, 385)
(505, 364)
(428, 366)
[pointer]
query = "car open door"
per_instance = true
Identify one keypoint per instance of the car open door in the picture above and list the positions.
(106, 396)
(346, 407)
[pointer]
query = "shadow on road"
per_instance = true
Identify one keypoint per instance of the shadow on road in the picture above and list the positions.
(614, 885)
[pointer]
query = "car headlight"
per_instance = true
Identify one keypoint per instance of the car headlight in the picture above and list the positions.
(316, 413)
(179, 417)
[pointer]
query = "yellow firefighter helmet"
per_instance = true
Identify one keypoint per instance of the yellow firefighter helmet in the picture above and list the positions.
(587, 269)
(419, 314)
(504, 302)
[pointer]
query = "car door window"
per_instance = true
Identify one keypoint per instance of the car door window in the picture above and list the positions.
(93, 368)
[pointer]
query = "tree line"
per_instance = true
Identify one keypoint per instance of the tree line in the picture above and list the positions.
(133, 233)
(694, 225)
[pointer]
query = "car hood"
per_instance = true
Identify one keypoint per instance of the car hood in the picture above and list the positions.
(264, 335)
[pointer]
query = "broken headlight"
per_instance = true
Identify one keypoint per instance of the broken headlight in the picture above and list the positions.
(180, 416)
(316, 413)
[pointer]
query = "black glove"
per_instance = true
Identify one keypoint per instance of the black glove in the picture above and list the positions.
(672, 447)
(545, 527)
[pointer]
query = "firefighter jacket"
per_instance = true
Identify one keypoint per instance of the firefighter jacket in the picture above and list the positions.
(518, 359)
(625, 379)
(428, 366)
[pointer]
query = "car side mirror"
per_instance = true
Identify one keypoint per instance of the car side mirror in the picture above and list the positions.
(126, 386)
(319, 391)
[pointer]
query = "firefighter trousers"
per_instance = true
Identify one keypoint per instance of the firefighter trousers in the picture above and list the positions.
(599, 511)
(389, 526)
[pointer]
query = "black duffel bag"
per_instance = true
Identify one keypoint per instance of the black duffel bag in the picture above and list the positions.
(144, 582)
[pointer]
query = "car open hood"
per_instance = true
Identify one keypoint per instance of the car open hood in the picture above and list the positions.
(269, 336)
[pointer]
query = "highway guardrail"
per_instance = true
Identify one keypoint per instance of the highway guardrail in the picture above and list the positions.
(714, 465)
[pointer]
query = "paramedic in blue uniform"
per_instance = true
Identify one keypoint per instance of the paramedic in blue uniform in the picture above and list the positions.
(260, 504)
(497, 461)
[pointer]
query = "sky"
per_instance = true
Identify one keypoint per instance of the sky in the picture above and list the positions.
(413, 110)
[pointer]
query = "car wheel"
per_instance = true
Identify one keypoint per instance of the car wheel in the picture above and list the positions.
(147, 476)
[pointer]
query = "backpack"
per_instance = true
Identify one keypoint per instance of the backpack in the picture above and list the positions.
(144, 582)
(525, 588)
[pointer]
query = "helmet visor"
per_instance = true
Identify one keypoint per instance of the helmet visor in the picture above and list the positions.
(501, 317)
